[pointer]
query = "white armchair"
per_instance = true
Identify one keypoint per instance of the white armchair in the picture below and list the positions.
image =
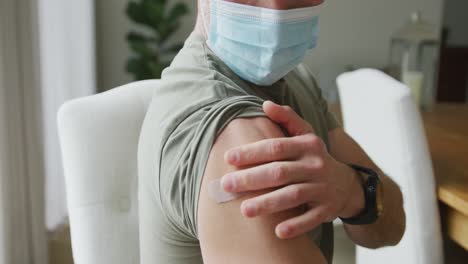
(379, 113)
(99, 139)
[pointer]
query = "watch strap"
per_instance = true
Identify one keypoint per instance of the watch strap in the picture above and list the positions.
(369, 215)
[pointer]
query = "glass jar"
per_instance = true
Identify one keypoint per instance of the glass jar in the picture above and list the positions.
(414, 58)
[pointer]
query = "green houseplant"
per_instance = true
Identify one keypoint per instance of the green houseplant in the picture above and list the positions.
(152, 51)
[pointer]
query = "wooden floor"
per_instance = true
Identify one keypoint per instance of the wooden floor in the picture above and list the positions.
(60, 246)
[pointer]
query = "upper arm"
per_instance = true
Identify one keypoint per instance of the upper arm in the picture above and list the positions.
(225, 235)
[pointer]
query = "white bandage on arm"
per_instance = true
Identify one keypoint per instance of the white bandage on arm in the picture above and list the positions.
(216, 192)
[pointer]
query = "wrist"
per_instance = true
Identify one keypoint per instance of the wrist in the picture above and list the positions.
(356, 199)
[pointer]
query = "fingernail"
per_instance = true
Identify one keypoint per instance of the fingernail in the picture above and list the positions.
(233, 156)
(284, 231)
(227, 183)
(250, 209)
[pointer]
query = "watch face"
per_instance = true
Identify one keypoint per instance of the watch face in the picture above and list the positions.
(379, 198)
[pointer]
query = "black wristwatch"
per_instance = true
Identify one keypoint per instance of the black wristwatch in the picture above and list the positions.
(373, 194)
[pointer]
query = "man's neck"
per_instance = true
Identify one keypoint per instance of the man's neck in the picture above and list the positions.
(199, 27)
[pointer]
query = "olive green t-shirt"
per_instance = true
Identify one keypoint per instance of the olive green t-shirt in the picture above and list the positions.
(199, 95)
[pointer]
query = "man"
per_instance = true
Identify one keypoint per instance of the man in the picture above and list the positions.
(236, 112)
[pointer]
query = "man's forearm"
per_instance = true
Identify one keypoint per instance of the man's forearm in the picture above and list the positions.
(389, 228)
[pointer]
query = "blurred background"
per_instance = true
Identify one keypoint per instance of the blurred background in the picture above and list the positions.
(52, 51)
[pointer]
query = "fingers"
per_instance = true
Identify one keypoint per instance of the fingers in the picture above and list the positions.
(288, 118)
(273, 174)
(282, 199)
(269, 150)
(264, 151)
(301, 224)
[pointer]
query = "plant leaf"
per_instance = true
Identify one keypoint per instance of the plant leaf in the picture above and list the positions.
(137, 68)
(142, 49)
(174, 48)
(146, 62)
(154, 12)
(178, 10)
(159, 1)
(168, 30)
(133, 36)
(156, 68)
(136, 13)
(143, 68)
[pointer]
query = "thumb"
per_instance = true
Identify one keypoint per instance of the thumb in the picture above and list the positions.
(287, 118)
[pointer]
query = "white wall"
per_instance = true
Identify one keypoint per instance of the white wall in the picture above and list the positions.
(357, 32)
(456, 20)
(352, 32)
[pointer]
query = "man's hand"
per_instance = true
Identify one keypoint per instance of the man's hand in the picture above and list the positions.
(303, 172)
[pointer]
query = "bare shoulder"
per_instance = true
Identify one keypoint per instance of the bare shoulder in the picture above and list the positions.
(228, 237)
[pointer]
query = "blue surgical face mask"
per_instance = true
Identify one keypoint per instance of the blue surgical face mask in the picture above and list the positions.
(261, 45)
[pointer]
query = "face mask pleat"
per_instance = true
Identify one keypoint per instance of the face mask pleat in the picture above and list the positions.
(267, 58)
(265, 34)
(250, 71)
